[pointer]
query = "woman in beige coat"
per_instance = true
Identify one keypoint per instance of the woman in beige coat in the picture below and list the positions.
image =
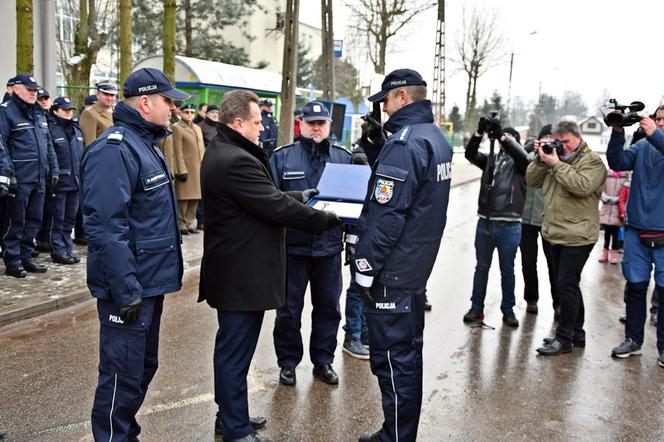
(188, 148)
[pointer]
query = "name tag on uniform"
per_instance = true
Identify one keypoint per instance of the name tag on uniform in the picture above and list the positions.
(154, 180)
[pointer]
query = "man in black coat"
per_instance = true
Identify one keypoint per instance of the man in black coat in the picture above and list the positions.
(245, 234)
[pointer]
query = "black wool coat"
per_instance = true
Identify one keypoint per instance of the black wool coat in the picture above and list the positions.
(244, 251)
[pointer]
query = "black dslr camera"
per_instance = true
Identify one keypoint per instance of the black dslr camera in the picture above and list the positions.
(623, 118)
(549, 147)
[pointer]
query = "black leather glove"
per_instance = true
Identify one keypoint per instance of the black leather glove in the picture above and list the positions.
(182, 177)
(372, 129)
(495, 131)
(130, 312)
(308, 194)
(483, 125)
(365, 294)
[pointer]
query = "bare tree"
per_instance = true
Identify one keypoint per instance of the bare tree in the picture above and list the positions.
(125, 40)
(79, 41)
(375, 22)
(24, 24)
(289, 72)
(478, 48)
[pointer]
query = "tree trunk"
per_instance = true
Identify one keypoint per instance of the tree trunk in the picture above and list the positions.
(24, 36)
(125, 41)
(188, 28)
(170, 9)
(289, 72)
(328, 49)
(469, 87)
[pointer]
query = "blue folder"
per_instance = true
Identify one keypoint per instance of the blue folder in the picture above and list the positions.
(343, 183)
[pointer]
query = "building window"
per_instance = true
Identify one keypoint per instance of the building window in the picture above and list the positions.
(592, 125)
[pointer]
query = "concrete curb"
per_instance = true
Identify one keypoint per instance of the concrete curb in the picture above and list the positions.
(31, 311)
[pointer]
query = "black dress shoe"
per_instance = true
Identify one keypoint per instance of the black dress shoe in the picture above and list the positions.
(575, 342)
(193, 231)
(33, 267)
(16, 271)
(287, 376)
(554, 348)
(75, 258)
(375, 437)
(326, 374)
(184, 232)
(67, 260)
(510, 320)
(255, 422)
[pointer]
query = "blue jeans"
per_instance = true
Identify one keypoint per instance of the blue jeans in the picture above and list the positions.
(505, 236)
(356, 321)
(637, 266)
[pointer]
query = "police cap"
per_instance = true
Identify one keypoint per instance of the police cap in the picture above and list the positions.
(396, 79)
(212, 108)
(43, 93)
(315, 111)
(149, 81)
(62, 103)
(10, 82)
(90, 100)
(107, 88)
(27, 80)
(265, 102)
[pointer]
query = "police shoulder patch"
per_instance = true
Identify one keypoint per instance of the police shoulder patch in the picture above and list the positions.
(341, 148)
(402, 135)
(384, 190)
(284, 147)
(116, 136)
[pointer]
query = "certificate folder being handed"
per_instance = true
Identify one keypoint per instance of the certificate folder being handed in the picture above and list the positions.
(342, 190)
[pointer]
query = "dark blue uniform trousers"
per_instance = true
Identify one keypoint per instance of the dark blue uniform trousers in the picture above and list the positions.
(60, 220)
(324, 273)
(128, 359)
(396, 326)
(234, 348)
(23, 219)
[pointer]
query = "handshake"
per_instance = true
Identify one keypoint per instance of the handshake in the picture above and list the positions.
(491, 126)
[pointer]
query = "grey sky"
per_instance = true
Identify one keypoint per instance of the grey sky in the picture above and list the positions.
(570, 51)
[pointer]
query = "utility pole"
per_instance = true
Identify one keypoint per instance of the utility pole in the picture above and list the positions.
(125, 41)
(439, 67)
(509, 90)
(328, 49)
(289, 72)
(24, 36)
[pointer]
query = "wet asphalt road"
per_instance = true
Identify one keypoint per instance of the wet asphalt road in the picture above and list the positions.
(479, 384)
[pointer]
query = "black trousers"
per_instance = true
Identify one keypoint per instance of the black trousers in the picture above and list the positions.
(529, 251)
(568, 263)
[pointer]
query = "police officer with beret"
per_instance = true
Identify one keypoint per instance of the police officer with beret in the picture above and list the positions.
(312, 259)
(399, 234)
(134, 255)
(24, 128)
(62, 204)
(270, 132)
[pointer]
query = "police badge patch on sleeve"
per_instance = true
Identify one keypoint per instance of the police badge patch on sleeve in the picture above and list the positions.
(384, 190)
(363, 265)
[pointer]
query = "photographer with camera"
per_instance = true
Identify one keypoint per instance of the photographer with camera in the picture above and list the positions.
(571, 176)
(500, 205)
(644, 227)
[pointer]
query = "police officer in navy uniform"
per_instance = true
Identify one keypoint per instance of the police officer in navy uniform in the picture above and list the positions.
(270, 131)
(62, 204)
(24, 128)
(134, 255)
(312, 259)
(399, 233)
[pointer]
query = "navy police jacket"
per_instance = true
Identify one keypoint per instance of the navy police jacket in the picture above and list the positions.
(68, 145)
(5, 163)
(299, 166)
(129, 212)
(645, 209)
(404, 213)
(24, 129)
(268, 136)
